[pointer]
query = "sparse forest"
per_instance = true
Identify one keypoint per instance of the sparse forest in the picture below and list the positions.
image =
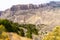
(9, 26)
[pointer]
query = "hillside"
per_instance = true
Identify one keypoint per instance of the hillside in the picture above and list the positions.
(14, 36)
(48, 14)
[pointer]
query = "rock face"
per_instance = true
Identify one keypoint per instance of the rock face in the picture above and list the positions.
(48, 13)
(23, 7)
(36, 14)
(0, 13)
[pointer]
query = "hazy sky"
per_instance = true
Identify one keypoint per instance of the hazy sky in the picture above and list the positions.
(4, 4)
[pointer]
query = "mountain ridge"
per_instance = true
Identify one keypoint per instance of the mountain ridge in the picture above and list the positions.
(27, 11)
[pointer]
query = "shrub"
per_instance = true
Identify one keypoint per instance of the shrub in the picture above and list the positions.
(4, 36)
(10, 26)
(54, 35)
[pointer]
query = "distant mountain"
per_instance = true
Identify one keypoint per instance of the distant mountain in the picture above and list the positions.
(54, 4)
(22, 13)
(51, 4)
(29, 13)
(32, 6)
(0, 13)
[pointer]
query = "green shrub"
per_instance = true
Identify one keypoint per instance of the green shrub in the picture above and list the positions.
(10, 26)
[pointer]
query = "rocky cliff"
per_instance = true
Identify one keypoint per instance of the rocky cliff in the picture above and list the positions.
(48, 13)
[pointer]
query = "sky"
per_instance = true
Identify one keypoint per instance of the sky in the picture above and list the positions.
(5, 4)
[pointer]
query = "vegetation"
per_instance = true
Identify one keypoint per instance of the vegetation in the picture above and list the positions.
(54, 35)
(9, 26)
(2, 28)
(3, 35)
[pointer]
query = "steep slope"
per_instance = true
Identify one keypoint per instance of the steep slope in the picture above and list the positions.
(48, 14)
(33, 19)
(14, 36)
